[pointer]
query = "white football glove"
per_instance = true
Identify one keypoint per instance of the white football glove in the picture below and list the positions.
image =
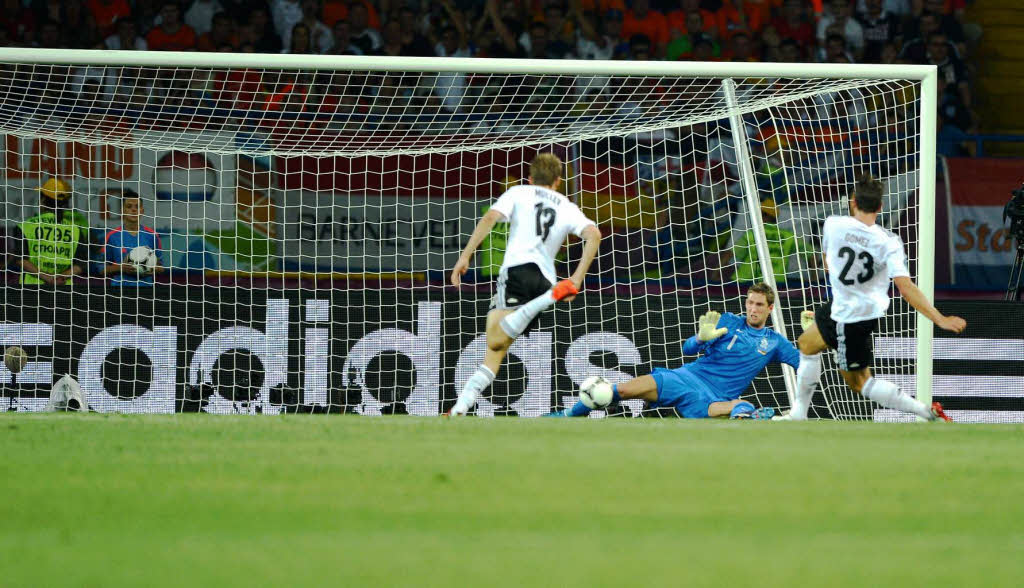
(706, 330)
(806, 319)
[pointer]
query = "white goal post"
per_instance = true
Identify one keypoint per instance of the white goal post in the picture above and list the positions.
(681, 159)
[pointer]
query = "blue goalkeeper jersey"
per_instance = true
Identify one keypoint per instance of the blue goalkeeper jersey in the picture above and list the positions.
(733, 360)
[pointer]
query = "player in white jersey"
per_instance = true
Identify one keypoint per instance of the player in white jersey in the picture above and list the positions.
(861, 258)
(540, 220)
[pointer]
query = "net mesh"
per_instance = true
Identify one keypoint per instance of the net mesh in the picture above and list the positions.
(307, 221)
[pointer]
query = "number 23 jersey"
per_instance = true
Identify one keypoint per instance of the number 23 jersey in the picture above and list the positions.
(861, 261)
(540, 219)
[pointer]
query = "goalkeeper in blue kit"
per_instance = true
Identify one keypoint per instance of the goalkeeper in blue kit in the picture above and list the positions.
(735, 350)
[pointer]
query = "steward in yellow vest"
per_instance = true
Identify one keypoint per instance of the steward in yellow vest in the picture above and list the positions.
(54, 243)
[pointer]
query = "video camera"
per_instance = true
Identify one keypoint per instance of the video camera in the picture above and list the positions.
(1014, 212)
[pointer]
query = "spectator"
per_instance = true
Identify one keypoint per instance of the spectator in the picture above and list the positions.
(454, 38)
(602, 41)
(880, 29)
(641, 20)
(239, 10)
(704, 49)
(899, 8)
(740, 48)
(20, 22)
(240, 88)
(392, 38)
(120, 242)
(285, 13)
(450, 88)
(92, 84)
(146, 14)
(841, 14)
(782, 249)
(364, 36)
(770, 44)
(948, 22)
(954, 74)
(289, 93)
(84, 34)
(50, 9)
(54, 244)
(790, 51)
(950, 138)
(260, 33)
(496, 32)
(682, 46)
(792, 24)
(220, 34)
(130, 86)
(199, 16)
(413, 43)
(48, 35)
(732, 19)
(916, 49)
(335, 10)
(538, 44)
(171, 34)
(561, 30)
(890, 54)
(300, 42)
(677, 19)
(342, 42)
(321, 38)
(107, 12)
(125, 37)
(834, 50)
(758, 12)
(641, 48)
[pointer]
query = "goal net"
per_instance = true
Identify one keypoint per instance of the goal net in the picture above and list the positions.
(308, 210)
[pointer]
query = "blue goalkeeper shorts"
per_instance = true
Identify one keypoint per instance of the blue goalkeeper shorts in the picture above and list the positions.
(681, 390)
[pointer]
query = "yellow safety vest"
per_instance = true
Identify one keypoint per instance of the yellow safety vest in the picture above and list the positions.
(51, 244)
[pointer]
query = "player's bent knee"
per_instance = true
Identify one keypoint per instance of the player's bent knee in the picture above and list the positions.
(498, 343)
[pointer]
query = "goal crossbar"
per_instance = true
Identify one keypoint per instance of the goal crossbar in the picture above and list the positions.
(466, 64)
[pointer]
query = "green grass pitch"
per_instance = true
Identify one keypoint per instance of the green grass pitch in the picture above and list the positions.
(195, 500)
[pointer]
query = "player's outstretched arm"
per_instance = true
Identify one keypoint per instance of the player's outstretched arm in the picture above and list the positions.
(483, 228)
(913, 295)
(591, 241)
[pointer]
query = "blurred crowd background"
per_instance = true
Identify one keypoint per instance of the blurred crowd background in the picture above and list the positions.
(832, 31)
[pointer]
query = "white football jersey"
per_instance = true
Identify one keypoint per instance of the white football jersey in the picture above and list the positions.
(861, 260)
(540, 219)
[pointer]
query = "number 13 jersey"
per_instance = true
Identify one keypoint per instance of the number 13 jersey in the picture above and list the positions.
(861, 261)
(540, 219)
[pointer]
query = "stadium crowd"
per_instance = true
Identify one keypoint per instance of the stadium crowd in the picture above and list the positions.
(831, 31)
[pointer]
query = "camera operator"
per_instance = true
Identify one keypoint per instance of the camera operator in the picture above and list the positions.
(1014, 213)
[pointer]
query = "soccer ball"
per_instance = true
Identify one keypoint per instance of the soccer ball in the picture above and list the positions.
(596, 392)
(143, 259)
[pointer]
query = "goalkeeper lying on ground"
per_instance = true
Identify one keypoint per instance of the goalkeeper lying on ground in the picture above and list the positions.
(735, 350)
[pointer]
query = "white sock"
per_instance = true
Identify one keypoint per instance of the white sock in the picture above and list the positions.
(515, 323)
(807, 376)
(477, 383)
(888, 395)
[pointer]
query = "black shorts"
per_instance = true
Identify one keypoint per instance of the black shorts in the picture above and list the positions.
(518, 285)
(853, 342)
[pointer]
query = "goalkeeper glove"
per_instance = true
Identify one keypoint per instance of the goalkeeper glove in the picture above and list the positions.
(806, 319)
(706, 327)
